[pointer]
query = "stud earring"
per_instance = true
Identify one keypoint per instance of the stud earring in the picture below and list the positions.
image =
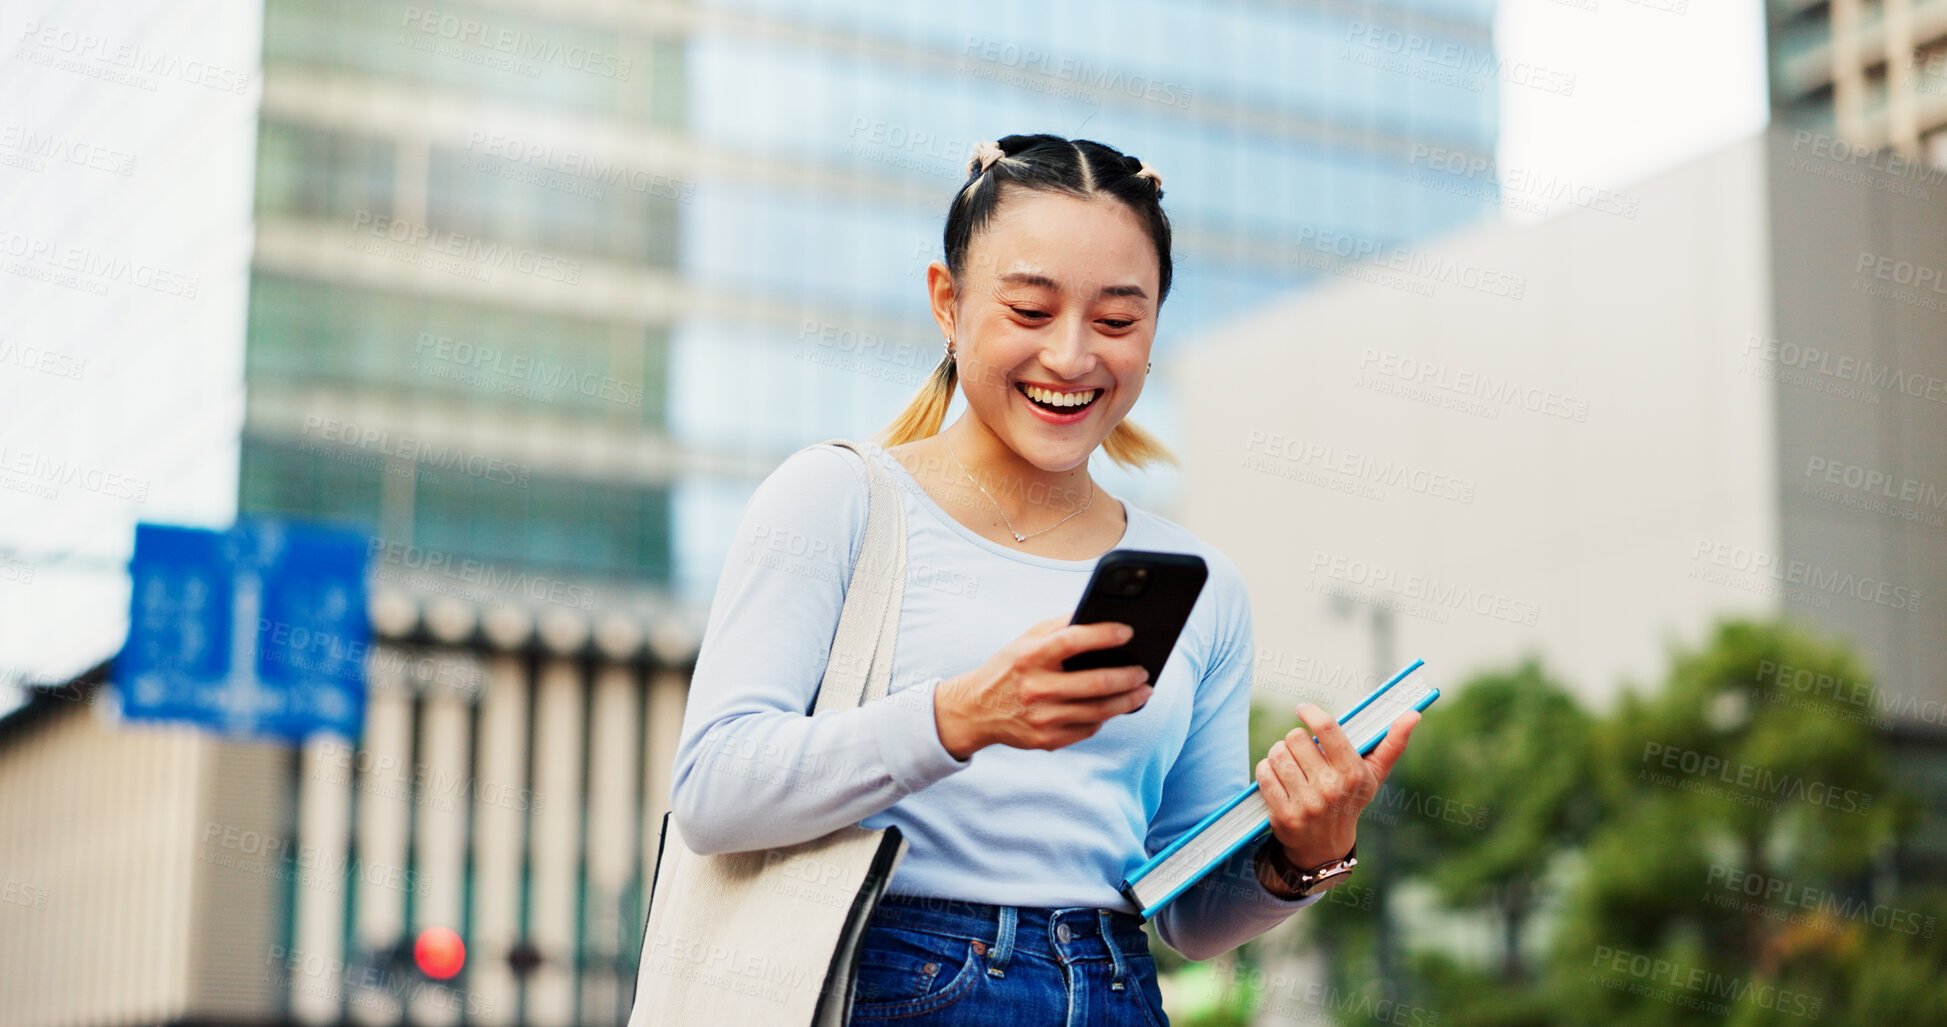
(1148, 367)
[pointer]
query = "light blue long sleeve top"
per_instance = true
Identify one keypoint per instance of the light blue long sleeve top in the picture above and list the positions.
(1008, 826)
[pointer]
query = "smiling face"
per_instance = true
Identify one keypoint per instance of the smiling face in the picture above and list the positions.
(1052, 321)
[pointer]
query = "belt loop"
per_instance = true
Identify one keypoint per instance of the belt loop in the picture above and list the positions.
(1004, 945)
(1108, 938)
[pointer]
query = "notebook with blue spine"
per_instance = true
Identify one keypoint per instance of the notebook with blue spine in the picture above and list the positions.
(1245, 817)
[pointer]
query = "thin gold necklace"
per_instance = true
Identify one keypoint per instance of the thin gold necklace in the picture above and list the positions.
(1018, 537)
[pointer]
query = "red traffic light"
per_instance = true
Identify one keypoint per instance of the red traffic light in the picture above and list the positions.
(439, 953)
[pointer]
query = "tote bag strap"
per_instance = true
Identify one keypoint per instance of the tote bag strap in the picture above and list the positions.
(859, 669)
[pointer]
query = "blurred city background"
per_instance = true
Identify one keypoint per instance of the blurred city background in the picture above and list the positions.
(1594, 351)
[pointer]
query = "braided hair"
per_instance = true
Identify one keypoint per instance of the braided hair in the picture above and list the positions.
(1078, 167)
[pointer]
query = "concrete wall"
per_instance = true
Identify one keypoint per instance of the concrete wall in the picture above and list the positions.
(134, 874)
(1538, 439)
(1860, 357)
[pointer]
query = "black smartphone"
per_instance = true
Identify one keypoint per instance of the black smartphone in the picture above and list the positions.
(1149, 591)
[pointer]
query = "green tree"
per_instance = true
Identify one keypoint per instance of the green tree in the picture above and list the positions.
(1741, 790)
(1496, 785)
(1493, 794)
(1716, 842)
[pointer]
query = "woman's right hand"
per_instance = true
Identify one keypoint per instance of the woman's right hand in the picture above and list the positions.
(1023, 698)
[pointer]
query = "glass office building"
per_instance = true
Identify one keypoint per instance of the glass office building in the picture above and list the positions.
(1867, 75)
(550, 288)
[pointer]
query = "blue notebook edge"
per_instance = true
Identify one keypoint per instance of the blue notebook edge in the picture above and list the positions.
(1365, 748)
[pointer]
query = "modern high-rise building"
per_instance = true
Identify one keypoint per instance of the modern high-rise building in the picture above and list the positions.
(1871, 73)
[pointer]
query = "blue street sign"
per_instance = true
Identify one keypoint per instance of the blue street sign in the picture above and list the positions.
(257, 631)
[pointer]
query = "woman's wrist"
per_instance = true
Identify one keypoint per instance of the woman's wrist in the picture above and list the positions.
(1277, 867)
(1319, 853)
(955, 737)
(1269, 873)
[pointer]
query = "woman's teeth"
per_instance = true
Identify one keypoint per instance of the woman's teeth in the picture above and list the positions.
(1059, 400)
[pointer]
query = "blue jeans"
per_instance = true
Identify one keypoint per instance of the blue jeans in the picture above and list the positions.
(929, 962)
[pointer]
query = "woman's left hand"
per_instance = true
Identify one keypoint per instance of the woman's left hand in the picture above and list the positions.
(1316, 791)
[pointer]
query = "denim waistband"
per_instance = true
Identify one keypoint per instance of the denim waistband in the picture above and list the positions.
(1073, 932)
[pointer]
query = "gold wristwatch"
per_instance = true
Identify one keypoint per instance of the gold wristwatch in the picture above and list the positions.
(1304, 882)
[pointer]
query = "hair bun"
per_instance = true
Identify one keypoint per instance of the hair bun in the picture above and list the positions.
(1141, 169)
(984, 156)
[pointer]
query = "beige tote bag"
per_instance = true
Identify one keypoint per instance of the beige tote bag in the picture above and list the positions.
(770, 937)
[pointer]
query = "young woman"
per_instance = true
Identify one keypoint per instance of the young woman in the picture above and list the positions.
(1025, 792)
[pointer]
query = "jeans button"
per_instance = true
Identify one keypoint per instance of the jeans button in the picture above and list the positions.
(1062, 933)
